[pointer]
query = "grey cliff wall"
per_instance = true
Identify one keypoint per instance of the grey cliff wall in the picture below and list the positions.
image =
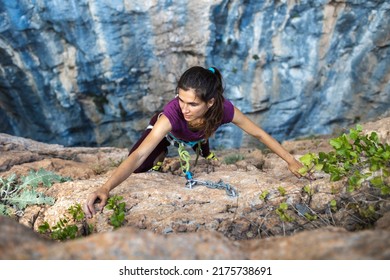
(92, 72)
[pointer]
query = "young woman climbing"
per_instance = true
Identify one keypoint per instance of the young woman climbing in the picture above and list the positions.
(196, 112)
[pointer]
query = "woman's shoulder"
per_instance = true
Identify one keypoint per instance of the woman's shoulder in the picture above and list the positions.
(173, 113)
(228, 111)
(172, 106)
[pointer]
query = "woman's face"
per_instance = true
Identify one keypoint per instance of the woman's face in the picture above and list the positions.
(191, 106)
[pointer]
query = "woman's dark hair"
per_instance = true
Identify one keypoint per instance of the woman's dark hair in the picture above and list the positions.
(207, 84)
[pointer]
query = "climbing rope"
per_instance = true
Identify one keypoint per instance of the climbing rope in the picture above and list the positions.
(184, 157)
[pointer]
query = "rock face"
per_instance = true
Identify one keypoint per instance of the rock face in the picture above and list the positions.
(92, 72)
(166, 220)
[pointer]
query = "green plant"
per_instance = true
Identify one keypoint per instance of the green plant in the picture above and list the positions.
(264, 195)
(77, 212)
(368, 212)
(333, 205)
(308, 190)
(60, 231)
(118, 216)
(362, 163)
(358, 157)
(282, 212)
(310, 217)
(232, 159)
(16, 193)
(282, 191)
(66, 228)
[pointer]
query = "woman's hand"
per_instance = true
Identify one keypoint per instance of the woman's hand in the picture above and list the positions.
(294, 167)
(100, 196)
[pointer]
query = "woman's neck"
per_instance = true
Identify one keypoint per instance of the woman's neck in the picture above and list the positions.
(196, 125)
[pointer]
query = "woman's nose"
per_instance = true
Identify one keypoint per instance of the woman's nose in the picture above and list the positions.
(185, 108)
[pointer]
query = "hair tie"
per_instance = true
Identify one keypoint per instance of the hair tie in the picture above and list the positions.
(211, 69)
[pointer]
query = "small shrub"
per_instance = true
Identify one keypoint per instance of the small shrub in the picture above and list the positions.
(282, 191)
(16, 193)
(66, 227)
(119, 208)
(232, 159)
(356, 160)
(264, 195)
(282, 212)
(359, 158)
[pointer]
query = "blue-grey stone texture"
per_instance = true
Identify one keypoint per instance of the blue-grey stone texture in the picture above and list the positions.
(92, 72)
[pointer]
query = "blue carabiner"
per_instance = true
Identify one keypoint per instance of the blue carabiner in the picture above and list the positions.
(189, 175)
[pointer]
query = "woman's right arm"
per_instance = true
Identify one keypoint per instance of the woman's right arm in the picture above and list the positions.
(127, 167)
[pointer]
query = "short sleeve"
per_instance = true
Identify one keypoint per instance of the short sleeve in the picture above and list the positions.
(228, 111)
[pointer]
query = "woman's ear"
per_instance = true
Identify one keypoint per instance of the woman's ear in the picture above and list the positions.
(210, 102)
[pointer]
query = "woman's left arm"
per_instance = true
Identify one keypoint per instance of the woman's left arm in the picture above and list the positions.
(251, 128)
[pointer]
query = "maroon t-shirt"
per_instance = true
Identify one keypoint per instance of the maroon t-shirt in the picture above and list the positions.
(179, 125)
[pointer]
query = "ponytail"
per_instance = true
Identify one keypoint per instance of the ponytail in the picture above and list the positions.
(215, 113)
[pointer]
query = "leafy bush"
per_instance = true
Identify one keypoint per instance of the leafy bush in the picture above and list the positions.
(361, 163)
(359, 158)
(73, 224)
(232, 159)
(66, 227)
(17, 193)
(118, 216)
